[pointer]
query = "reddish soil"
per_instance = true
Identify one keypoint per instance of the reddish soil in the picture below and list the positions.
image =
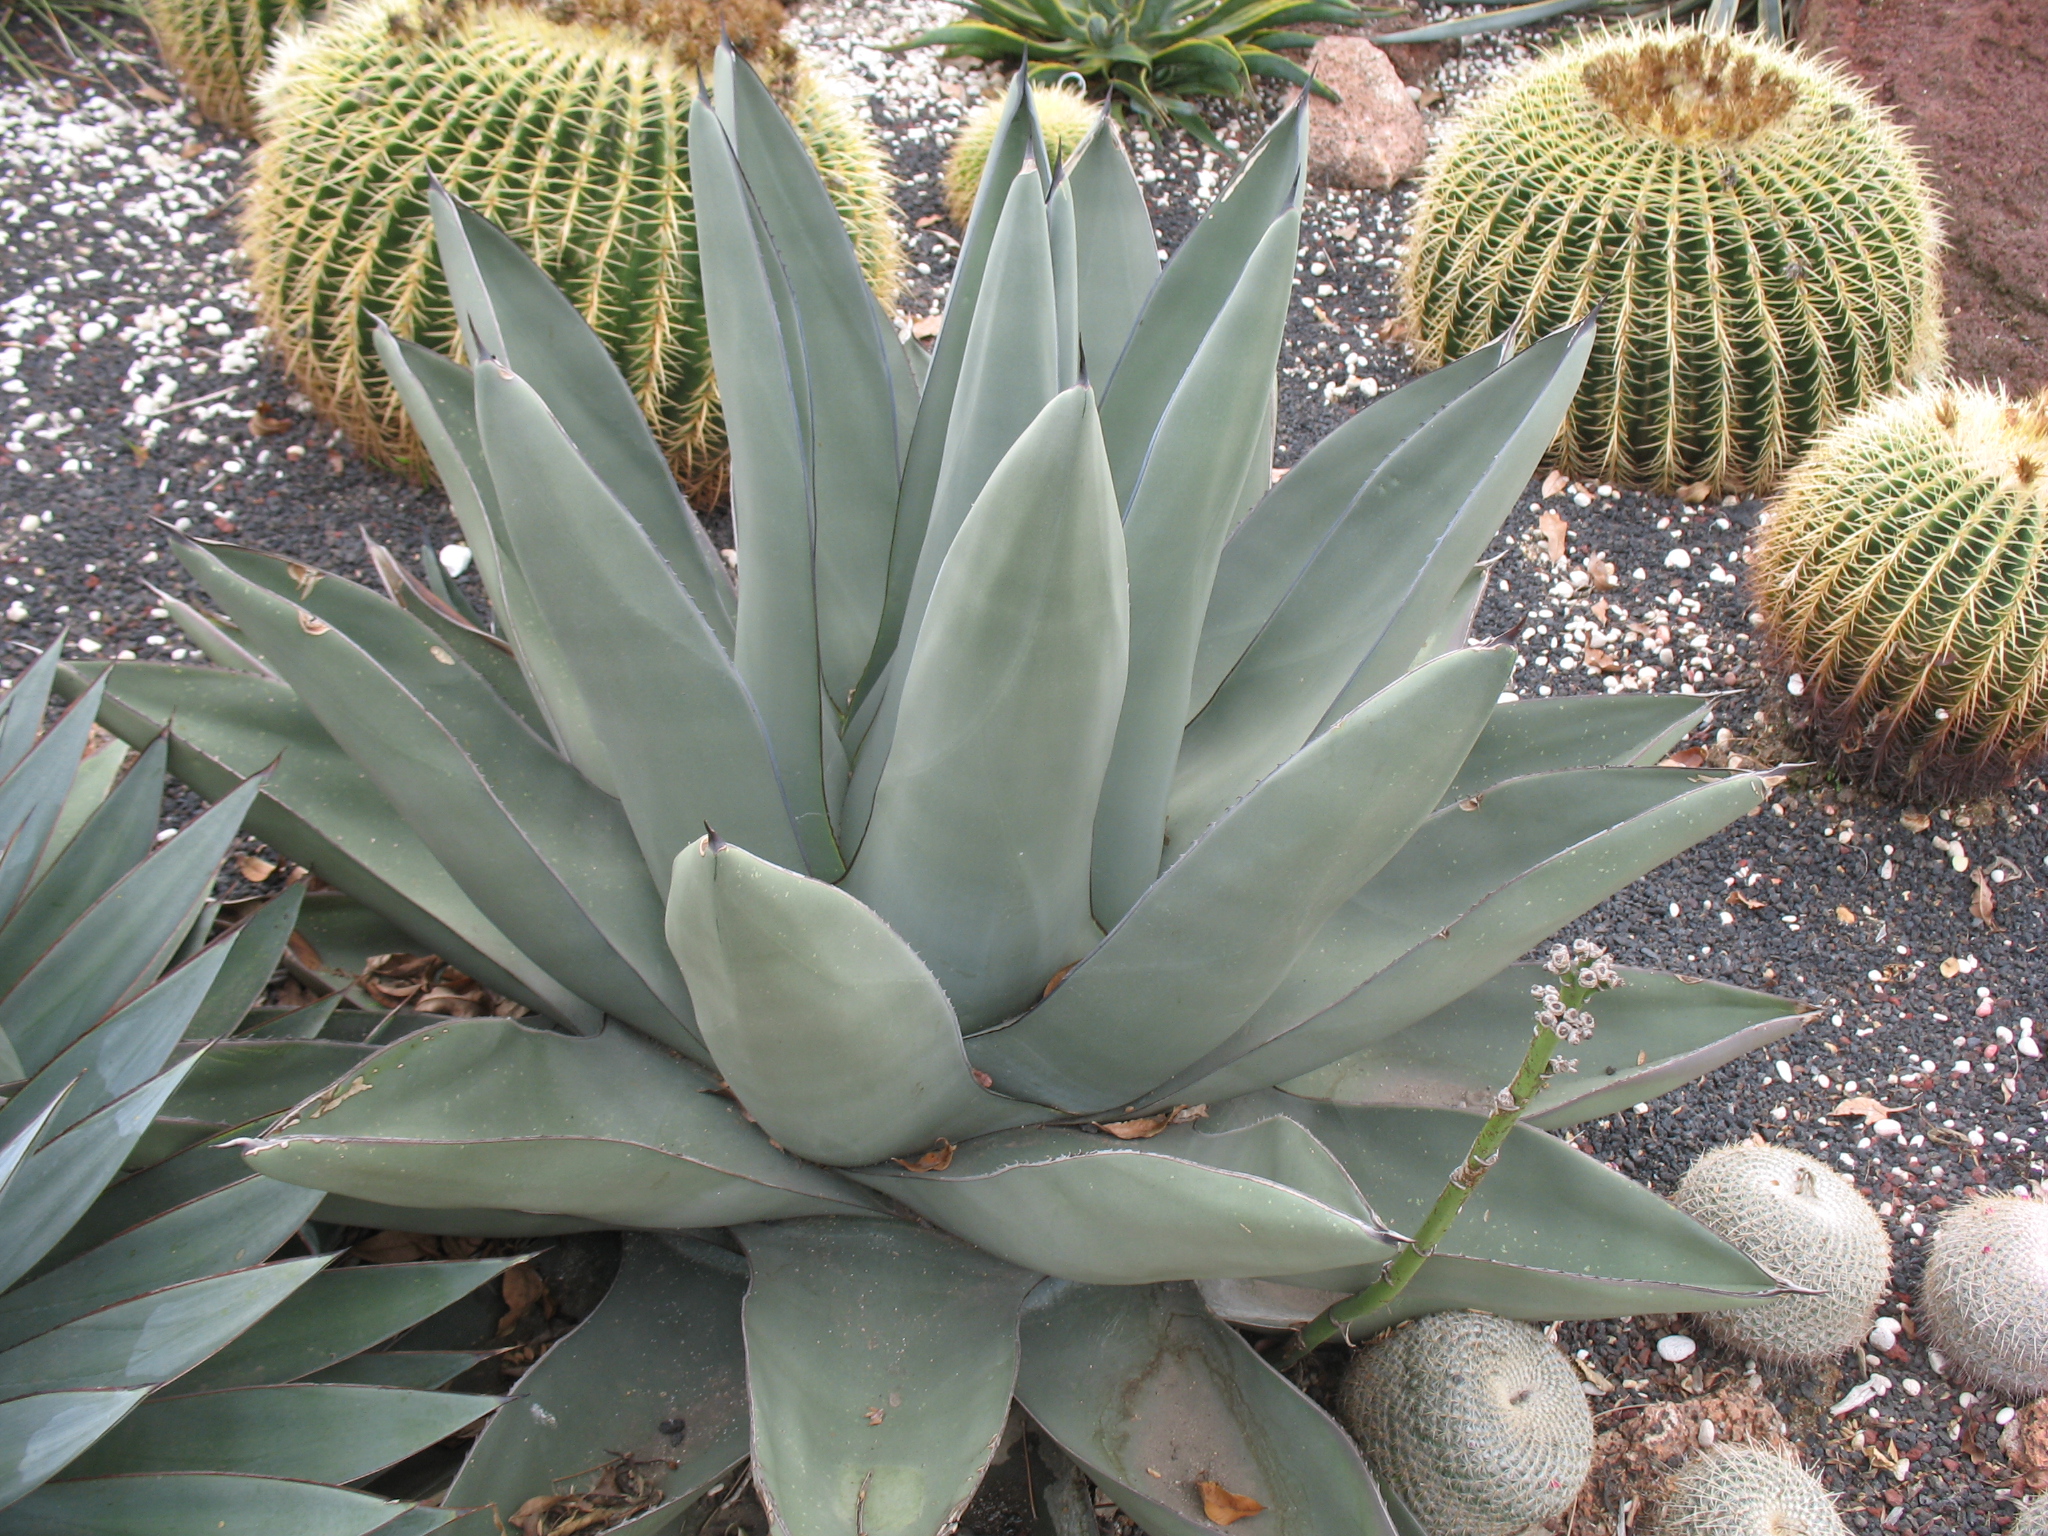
(1968, 79)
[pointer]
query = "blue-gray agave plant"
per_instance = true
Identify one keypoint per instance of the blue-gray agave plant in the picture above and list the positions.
(1120, 869)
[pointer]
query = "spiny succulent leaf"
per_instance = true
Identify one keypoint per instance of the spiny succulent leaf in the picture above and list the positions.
(419, 1370)
(32, 796)
(1066, 276)
(223, 1503)
(1355, 617)
(880, 1358)
(242, 1080)
(321, 1434)
(1655, 1034)
(1119, 253)
(89, 790)
(1181, 1204)
(21, 711)
(1179, 512)
(1140, 1008)
(1153, 1395)
(1467, 895)
(827, 1026)
(662, 1350)
(685, 744)
(1454, 625)
(1013, 704)
(1551, 735)
(565, 873)
(1268, 551)
(40, 1433)
(239, 985)
(525, 323)
(485, 1112)
(484, 653)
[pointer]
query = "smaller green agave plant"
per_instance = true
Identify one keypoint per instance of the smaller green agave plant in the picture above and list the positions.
(1152, 55)
(156, 1372)
(1775, 19)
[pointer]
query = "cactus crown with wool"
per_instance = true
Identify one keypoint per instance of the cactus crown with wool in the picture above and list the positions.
(2033, 1520)
(1808, 1226)
(1064, 116)
(1984, 1297)
(1475, 1422)
(1742, 1490)
(572, 135)
(1904, 578)
(1758, 235)
(217, 49)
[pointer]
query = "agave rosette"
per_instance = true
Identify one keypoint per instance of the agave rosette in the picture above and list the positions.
(1066, 772)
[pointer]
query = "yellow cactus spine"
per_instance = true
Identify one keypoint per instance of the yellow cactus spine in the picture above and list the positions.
(216, 48)
(1758, 235)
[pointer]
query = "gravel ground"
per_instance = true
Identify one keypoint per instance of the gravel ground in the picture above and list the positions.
(134, 386)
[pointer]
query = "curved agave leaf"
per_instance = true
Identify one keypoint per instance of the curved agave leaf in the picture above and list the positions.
(322, 810)
(1013, 707)
(1179, 1205)
(657, 1372)
(1551, 735)
(484, 653)
(880, 1357)
(257, 945)
(826, 1025)
(485, 1112)
(40, 1434)
(236, 1082)
(21, 710)
(451, 1221)
(1154, 1397)
(1294, 850)
(194, 1503)
(1115, 248)
(32, 798)
(1469, 894)
(1656, 1033)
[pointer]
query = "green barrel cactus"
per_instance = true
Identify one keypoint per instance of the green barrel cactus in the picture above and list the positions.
(1064, 116)
(572, 135)
(217, 49)
(1903, 578)
(1075, 792)
(1984, 1295)
(1475, 1423)
(1758, 237)
(1807, 1225)
(1744, 1490)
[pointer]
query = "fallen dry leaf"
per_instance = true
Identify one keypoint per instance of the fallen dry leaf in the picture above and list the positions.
(875, 1415)
(270, 420)
(253, 869)
(622, 1491)
(1058, 976)
(1600, 661)
(1748, 901)
(1553, 527)
(1345, 231)
(523, 1290)
(1554, 483)
(1983, 904)
(1915, 821)
(1692, 495)
(1601, 573)
(930, 219)
(925, 327)
(1845, 917)
(938, 1160)
(2025, 1444)
(1951, 968)
(1686, 757)
(1146, 1126)
(1225, 1507)
(1868, 1108)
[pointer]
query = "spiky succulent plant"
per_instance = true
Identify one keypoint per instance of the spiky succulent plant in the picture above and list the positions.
(1757, 233)
(1080, 795)
(1065, 115)
(217, 49)
(1903, 578)
(1984, 1296)
(566, 122)
(1746, 1490)
(156, 1373)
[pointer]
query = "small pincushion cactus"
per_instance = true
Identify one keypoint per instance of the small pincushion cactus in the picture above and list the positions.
(1064, 117)
(2033, 1520)
(1475, 1422)
(1904, 579)
(1742, 1490)
(217, 48)
(1984, 1297)
(573, 136)
(1808, 1226)
(1759, 234)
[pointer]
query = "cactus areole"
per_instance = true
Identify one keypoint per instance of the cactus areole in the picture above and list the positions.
(1121, 871)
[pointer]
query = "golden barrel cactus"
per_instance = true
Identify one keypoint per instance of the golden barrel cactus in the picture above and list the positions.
(217, 48)
(1758, 235)
(1065, 115)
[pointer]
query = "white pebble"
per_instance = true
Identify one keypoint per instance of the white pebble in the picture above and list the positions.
(1678, 560)
(455, 559)
(31, 523)
(1862, 1393)
(1676, 1347)
(1884, 1333)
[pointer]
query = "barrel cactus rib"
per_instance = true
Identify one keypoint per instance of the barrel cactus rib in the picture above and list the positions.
(834, 1087)
(217, 50)
(1759, 234)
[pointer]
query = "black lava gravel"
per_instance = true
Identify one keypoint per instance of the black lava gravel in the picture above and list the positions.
(135, 387)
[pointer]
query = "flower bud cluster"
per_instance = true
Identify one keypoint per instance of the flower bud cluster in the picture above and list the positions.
(1581, 970)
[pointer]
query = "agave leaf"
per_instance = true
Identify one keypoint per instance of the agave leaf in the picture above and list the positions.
(484, 1112)
(456, 1221)
(521, 318)
(21, 710)
(32, 797)
(1277, 540)
(1180, 1205)
(564, 875)
(1154, 1397)
(79, 863)
(1066, 275)
(256, 946)
(880, 1356)
(1474, 23)
(322, 810)
(826, 1025)
(1115, 244)
(1550, 735)
(1294, 850)
(1357, 615)
(1016, 707)
(90, 787)
(336, 1314)
(1008, 376)
(242, 1080)
(238, 1224)
(194, 1504)
(422, 1370)
(150, 1339)
(1176, 519)
(484, 653)
(1550, 1233)
(191, 1174)
(1191, 292)
(1469, 894)
(684, 741)
(213, 637)
(657, 1372)
(41, 1433)
(1655, 1034)
(1453, 628)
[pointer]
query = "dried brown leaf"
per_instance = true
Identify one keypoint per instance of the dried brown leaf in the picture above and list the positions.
(925, 327)
(1845, 917)
(1224, 1507)
(1554, 483)
(253, 869)
(1600, 572)
(1868, 1108)
(1686, 757)
(1915, 821)
(523, 1290)
(1983, 904)
(1692, 495)
(270, 420)
(1553, 527)
(938, 1160)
